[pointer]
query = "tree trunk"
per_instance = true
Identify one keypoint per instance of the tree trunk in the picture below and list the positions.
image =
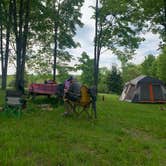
(21, 39)
(55, 39)
(1, 40)
(1, 45)
(5, 50)
(19, 47)
(6, 56)
(55, 51)
(25, 35)
(165, 20)
(95, 47)
(17, 43)
(99, 46)
(96, 55)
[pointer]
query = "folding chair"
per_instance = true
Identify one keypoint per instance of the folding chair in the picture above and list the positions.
(14, 103)
(84, 104)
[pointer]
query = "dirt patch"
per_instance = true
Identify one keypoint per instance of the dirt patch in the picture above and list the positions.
(1, 109)
(45, 107)
(138, 134)
(162, 108)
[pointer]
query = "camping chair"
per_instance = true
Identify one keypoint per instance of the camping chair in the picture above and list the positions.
(84, 104)
(14, 102)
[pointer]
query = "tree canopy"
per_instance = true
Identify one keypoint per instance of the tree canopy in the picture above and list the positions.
(36, 36)
(41, 32)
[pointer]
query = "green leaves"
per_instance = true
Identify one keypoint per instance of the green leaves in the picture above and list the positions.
(121, 25)
(147, 65)
(114, 81)
(86, 66)
(130, 71)
(46, 14)
(161, 65)
(154, 11)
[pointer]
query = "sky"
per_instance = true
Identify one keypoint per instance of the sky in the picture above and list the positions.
(85, 37)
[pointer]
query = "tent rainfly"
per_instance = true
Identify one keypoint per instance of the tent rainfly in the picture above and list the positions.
(144, 89)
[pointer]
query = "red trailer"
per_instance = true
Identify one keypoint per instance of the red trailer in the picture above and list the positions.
(43, 89)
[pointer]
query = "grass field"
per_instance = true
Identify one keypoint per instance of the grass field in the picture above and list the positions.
(124, 134)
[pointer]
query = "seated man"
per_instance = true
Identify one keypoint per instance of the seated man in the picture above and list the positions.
(73, 94)
(67, 84)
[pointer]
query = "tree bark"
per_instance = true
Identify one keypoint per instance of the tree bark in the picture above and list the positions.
(1, 45)
(21, 39)
(5, 55)
(165, 20)
(96, 59)
(25, 35)
(17, 43)
(20, 45)
(55, 39)
(99, 46)
(1, 38)
(95, 47)
(8, 28)
(55, 52)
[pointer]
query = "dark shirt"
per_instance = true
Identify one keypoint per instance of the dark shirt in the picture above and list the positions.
(74, 91)
(75, 88)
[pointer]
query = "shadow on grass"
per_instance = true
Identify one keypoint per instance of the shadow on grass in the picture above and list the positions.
(53, 101)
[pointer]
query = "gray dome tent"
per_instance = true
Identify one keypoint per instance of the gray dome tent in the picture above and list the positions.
(144, 89)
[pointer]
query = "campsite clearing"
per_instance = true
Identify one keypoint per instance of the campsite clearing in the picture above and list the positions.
(124, 134)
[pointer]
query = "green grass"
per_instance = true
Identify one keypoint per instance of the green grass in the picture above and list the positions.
(124, 134)
(2, 97)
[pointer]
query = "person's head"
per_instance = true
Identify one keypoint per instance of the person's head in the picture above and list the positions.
(70, 78)
(74, 79)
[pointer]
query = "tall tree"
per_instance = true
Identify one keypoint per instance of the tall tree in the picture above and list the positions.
(5, 25)
(56, 27)
(118, 24)
(117, 29)
(67, 17)
(21, 12)
(61, 19)
(1, 35)
(96, 55)
(114, 81)
(96, 45)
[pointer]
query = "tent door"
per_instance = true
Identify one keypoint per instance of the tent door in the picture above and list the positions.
(157, 92)
(144, 92)
(151, 93)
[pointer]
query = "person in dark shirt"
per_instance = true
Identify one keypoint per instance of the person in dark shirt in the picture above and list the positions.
(72, 95)
(67, 84)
